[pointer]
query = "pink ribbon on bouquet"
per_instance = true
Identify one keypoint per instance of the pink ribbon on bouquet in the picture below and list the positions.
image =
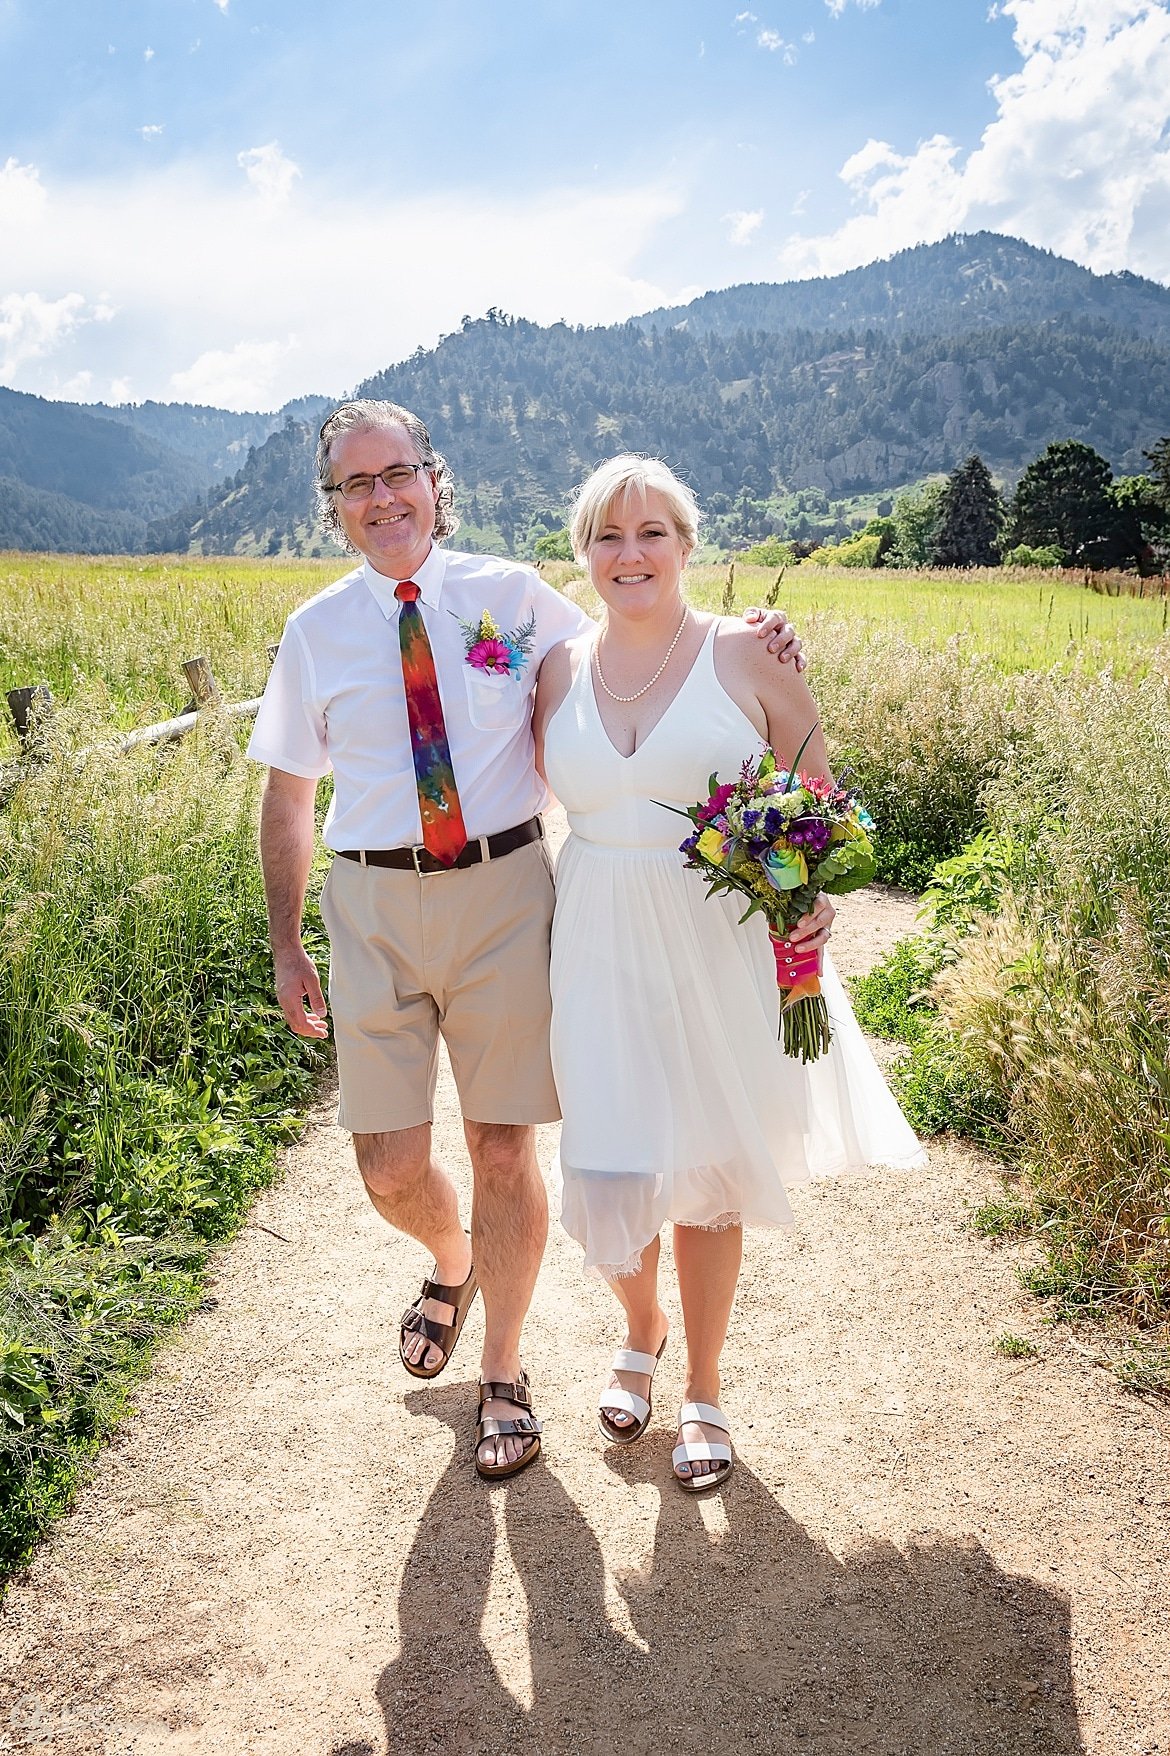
(797, 971)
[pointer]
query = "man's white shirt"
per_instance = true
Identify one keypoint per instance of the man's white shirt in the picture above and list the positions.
(335, 697)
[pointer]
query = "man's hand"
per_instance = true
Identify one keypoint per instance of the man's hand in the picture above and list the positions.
(777, 630)
(811, 932)
(297, 982)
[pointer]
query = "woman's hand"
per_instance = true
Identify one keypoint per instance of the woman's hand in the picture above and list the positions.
(782, 639)
(812, 931)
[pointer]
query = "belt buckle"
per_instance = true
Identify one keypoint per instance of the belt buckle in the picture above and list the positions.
(414, 853)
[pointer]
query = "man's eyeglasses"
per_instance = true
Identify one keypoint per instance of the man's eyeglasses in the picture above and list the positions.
(399, 475)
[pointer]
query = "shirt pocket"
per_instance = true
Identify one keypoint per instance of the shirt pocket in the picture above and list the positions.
(495, 702)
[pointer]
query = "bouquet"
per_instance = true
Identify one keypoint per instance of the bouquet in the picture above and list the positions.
(780, 838)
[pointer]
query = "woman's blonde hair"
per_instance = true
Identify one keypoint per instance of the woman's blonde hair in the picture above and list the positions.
(617, 479)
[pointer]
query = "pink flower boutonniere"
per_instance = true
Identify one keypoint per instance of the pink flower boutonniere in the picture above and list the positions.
(490, 649)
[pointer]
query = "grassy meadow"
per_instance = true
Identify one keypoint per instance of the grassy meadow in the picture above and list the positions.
(1020, 619)
(1009, 734)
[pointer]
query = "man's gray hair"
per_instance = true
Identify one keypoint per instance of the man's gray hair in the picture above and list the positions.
(368, 416)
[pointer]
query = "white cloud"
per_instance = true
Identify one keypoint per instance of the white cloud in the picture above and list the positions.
(78, 387)
(270, 173)
(772, 40)
(837, 7)
(148, 54)
(222, 4)
(745, 18)
(809, 36)
(241, 377)
(151, 130)
(317, 280)
(22, 194)
(798, 206)
(743, 226)
(121, 390)
(32, 326)
(1076, 159)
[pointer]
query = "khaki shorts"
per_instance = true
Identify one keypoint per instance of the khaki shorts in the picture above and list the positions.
(461, 953)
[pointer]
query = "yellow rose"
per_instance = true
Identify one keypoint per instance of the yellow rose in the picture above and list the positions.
(711, 846)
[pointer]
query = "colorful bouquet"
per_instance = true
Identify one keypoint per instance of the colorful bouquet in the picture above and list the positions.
(780, 838)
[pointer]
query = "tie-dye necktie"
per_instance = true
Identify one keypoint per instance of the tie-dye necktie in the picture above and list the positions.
(443, 830)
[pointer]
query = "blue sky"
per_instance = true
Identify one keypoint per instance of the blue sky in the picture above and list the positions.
(239, 201)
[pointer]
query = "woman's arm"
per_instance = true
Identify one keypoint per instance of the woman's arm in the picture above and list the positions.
(772, 695)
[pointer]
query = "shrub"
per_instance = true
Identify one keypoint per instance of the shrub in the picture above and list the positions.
(861, 551)
(892, 999)
(770, 553)
(1025, 556)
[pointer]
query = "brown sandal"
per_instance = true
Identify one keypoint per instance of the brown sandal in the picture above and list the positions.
(443, 1335)
(524, 1426)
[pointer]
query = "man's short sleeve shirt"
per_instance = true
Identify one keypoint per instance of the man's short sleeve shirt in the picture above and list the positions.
(335, 698)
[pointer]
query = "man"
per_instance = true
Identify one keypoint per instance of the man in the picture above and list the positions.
(439, 903)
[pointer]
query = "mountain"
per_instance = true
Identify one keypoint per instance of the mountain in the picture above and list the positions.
(751, 419)
(975, 280)
(73, 480)
(217, 440)
(90, 478)
(771, 400)
(265, 508)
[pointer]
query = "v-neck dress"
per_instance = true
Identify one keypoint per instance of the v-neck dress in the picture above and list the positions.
(678, 1101)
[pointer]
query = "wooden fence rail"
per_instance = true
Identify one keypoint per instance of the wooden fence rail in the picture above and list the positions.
(32, 708)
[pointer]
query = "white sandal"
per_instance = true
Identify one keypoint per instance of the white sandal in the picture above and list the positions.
(702, 1451)
(628, 1359)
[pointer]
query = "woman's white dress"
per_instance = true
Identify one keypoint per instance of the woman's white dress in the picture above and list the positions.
(678, 1101)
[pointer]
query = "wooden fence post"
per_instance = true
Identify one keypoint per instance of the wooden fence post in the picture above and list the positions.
(202, 684)
(30, 708)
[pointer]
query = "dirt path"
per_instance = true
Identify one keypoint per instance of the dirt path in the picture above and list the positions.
(925, 1548)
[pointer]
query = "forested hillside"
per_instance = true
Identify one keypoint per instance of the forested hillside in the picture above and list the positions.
(71, 480)
(524, 411)
(217, 440)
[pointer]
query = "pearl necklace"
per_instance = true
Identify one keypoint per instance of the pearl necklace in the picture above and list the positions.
(654, 678)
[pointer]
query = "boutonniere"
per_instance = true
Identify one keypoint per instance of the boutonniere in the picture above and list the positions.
(492, 650)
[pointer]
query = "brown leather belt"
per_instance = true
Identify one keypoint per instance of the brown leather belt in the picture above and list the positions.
(486, 847)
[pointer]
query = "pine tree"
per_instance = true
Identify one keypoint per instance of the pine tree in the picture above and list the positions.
(1063, 500)
(972, 518)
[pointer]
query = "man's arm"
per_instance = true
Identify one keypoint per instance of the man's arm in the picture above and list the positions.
(287, 832)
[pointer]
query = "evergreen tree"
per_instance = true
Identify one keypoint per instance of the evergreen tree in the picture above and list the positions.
(1064, 500)
(972, 518)
(1159, 475)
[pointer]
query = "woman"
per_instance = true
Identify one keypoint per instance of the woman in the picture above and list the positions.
(677, 1100)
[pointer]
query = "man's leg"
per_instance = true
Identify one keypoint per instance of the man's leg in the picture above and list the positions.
(412, 1191)
(509, 1226)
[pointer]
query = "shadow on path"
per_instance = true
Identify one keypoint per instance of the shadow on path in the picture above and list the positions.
(757, 1641)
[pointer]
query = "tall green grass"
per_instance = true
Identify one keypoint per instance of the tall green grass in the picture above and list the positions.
(125, 624)
(1036, 1003)
(1061, 999)
(146, 1079)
